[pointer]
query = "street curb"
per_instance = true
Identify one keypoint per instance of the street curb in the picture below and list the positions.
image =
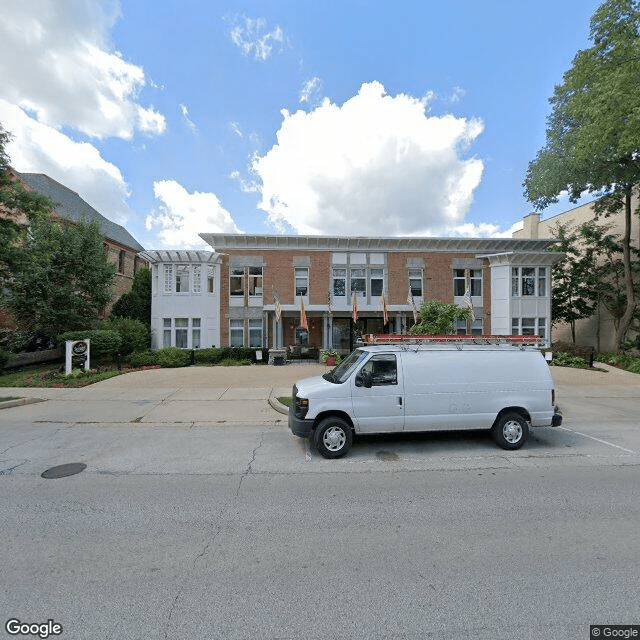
(278, 406)
(7, 404)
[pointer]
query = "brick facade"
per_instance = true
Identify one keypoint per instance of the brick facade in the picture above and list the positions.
(261, 270)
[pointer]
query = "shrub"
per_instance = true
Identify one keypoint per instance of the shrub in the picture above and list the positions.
(607, 358)
(217, 356)
(23, 340)
(171, 357)
(207, 356)
(104, 342)
(142, 358)
(134, 334)
(4, 357)
(634, 366)
(564, 359)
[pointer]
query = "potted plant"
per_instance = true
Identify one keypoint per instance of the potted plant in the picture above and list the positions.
(330, 357)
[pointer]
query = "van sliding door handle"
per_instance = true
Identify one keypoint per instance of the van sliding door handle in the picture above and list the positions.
(400, 400)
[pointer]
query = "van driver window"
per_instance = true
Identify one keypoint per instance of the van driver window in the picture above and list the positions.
(383, 370)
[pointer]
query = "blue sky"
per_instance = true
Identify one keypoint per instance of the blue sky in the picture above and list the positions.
(335, 117)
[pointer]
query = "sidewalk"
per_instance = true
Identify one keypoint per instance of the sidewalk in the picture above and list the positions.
(199, 394)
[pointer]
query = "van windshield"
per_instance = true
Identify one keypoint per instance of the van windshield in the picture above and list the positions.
(342, 372)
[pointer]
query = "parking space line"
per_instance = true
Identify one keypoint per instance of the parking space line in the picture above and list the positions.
(599, 440)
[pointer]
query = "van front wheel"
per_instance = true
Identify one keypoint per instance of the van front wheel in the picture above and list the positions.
(510, 430)
(333, 437)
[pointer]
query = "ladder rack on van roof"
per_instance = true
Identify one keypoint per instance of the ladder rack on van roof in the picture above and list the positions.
(371, 339)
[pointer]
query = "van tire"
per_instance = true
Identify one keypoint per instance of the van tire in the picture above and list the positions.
(510, 430)
(333, 437)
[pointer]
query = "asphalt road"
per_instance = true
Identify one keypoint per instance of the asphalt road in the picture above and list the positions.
(196, 520)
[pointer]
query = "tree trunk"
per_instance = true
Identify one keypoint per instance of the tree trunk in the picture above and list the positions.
(627, 317)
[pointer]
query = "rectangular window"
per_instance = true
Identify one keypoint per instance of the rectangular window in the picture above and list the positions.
(542, 328)
(528, 281)
(195, 333)
(302, 281)
(236, 282)
(459, 282)
(415, 282)
(121, 257)
(182, 331)
(236, 333)
(210, 279)
(377, 281)
(339, 282)
(461, 327)
(168, 278)
(197, 278)
(523, 326)
(476, 282)
(182, 278)
(514, 282)
(166, 332)
(255, 282)
(358, 282)
(542, 281)
(476, 327)
(255, 333)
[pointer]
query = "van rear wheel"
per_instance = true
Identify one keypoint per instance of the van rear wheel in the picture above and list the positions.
(333, 437)
(510, 430)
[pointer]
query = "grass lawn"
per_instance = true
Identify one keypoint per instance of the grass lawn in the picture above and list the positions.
(285, 400)
(4, 399)
(50, 376)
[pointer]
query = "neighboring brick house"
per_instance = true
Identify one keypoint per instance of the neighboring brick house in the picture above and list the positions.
(509, 281)
(122, 248)
(598, 331)
(185, 298)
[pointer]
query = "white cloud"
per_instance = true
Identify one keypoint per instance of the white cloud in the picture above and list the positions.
(38, 148)
(235, 127)
(252, 38)
(181, 216)
(376, 165)
(56, 63)
(185, 115)
(310, 92)
(457, 94)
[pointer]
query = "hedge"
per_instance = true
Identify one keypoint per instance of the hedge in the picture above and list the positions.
(218, 355)
(104, 342)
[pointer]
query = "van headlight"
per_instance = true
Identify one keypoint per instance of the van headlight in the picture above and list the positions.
(300, 405)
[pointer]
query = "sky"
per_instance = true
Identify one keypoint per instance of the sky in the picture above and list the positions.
(334, 117)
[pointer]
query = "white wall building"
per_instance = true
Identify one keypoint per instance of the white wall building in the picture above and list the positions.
(185, 298)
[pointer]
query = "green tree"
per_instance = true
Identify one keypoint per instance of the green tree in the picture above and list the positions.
(574, 296)
(437, 317)
(136, 303)
(592, 143)
(61, 277)
(607, 280)
(15, 198)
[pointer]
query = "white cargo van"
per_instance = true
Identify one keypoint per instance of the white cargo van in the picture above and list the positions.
(505, 388)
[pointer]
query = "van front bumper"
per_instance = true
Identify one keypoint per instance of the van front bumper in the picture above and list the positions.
(299, 426)
(556, 421)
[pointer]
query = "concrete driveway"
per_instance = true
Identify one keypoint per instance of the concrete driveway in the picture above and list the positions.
(201, 418)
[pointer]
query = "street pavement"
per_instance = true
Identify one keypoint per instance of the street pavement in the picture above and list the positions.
(213, 419)
(199, 516)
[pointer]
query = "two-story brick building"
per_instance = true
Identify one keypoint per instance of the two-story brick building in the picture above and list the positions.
(346, 287)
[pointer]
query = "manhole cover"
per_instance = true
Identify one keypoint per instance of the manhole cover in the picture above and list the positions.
(64, 470)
